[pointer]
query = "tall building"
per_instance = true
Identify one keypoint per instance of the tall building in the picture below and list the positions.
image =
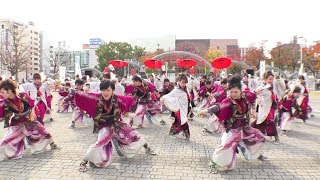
(29, 40)
(46, 54)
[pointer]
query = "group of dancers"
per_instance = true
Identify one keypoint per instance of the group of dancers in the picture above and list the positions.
(243, 111)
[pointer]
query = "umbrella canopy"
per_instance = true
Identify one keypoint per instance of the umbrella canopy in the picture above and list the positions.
(118, 63)
(221, 62)
(153, 63)
(186, 63)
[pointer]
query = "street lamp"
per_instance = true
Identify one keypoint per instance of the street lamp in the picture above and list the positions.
(301, 64)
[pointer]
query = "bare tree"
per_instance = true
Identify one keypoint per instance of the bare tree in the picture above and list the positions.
(16, 49)
(59, 56)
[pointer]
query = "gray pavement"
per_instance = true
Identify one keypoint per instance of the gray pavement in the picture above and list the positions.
(296, 157)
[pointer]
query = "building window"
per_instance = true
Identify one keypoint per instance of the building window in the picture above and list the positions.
(2, 26)
(36, 69)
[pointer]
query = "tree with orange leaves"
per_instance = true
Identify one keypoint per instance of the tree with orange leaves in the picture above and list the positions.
(311, 58)
(253, 55)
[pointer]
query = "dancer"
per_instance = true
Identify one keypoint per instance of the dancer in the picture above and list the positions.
(213, 125)
(206, 94)
(266, 108)
(78, 114)
(286, 104)
(303, 100)
(178, 101)
(234, 113)
(107, 110)
(141, 94)
(18, 112)
(68, 99)
(37, 92)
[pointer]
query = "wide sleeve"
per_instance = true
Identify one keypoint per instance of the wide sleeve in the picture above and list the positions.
(151, 86)
(225, 110)
(43, 90)
(28, 98)
(129, 89)
(125, 103)
(87, 102)
(172, 100)
(24, 87)
(251, 96)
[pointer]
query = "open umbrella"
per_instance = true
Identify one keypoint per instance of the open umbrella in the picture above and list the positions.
(186, 63)
(153, 63)
(118, 63)
(221, 62)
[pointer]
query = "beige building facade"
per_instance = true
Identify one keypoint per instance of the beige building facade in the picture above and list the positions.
(30, 41)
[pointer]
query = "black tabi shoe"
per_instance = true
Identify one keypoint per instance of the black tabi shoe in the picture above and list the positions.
(262, 157)
(150, 151)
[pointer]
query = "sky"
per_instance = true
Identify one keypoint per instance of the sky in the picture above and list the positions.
(249, 21)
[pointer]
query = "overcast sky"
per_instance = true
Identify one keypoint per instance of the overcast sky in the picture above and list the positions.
(250, 21)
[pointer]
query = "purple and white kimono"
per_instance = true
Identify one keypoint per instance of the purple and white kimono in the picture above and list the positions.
(67, 100)
(144, 103)
(112, 130)
(234, 114)
(205, 98)
(16, 115)
(285, 109)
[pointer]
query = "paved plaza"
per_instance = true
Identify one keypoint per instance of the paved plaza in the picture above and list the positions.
(296, 157)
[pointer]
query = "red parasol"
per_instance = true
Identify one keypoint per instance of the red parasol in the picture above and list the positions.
(118, 63)
(221, 63)
(153, 63)
(186, 63)
(132, 72)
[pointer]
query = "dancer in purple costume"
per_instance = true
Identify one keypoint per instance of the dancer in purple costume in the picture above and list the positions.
(107, 109)
(234, 113)
(18, 113)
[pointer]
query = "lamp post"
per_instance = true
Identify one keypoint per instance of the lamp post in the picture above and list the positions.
(301, 63)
